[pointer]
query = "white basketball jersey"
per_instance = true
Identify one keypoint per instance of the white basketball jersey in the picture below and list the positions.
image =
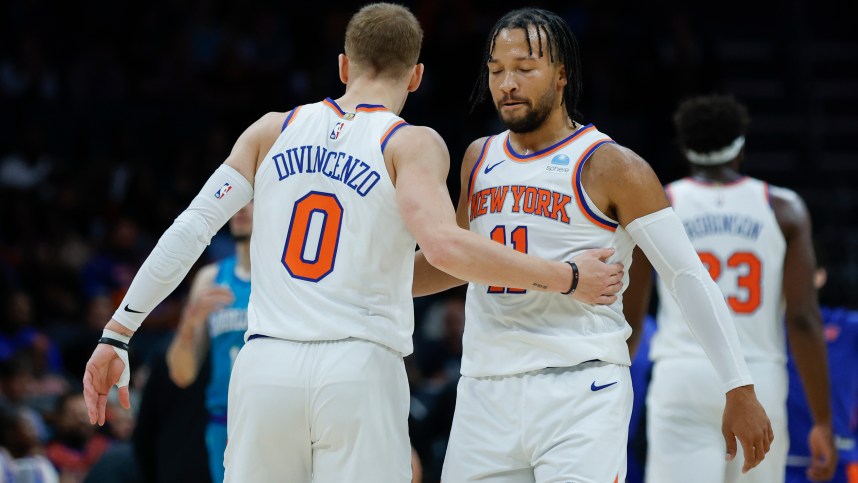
(734, 230)
(332, 256)
(536, 204)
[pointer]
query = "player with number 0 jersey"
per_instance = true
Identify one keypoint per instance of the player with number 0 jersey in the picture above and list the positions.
(344, 189)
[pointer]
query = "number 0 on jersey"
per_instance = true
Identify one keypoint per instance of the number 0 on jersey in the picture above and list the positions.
(314, 233)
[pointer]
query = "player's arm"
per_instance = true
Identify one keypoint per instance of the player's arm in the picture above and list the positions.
(428, 279)
(190, 344)
(421, 164)
(625, 186)
(228, 189)
(636, 297)
(804, 326)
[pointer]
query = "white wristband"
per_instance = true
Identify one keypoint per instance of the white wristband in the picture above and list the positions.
(115, 335)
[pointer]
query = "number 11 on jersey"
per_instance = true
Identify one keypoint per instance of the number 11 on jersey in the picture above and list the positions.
(518, 240)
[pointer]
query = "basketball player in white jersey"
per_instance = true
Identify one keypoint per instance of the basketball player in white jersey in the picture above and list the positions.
(755, 240)
(342, 189)
(545, 393)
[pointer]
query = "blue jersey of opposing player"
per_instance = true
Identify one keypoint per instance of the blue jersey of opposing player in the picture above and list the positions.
(226, 330)
(841, 332)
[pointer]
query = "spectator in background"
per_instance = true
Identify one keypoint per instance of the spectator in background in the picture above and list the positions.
(18, 337)
(76, 445)
(840, 327)
(16, 388)
(22, 457)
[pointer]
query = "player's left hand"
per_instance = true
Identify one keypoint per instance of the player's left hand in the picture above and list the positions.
(745, 419)
(823, 453)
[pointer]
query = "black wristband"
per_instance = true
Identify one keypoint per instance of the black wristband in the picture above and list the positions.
(574, 279)
(115, 343)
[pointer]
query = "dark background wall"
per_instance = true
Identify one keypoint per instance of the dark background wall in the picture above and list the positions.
(112, 114)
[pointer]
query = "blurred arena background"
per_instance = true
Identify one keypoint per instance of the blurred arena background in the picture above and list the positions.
(113, 114)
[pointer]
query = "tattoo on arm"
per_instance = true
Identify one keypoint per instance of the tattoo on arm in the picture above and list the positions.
(539, 285)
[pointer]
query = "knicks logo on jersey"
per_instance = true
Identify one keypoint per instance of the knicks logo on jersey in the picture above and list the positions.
(335, 132)
(523, 199)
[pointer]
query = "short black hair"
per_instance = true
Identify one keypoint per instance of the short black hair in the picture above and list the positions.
(562, 47)
(709, 123)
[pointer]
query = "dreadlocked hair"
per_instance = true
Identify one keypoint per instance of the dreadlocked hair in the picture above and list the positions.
(709, 123)
(562, 48)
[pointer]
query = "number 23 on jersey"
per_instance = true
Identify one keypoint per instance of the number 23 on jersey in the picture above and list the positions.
(750, 272)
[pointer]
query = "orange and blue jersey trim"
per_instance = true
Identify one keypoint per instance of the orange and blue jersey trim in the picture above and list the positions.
(473, 177)
(333, 105)
(360, 107)
(579, 189)
(768, 194)
(395, 127)
(370, 108)
(289, 118)
(507, 147)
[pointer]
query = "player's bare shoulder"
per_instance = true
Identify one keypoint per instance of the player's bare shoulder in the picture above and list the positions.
(412, 138)
(612, 160)
(415, 145)
(789, 209)
(472, 154)
(622, 184)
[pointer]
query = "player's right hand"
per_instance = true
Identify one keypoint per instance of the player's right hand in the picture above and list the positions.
(209, 300)
(103, 370)
(824, 455)
(745, 419)
(598, 281)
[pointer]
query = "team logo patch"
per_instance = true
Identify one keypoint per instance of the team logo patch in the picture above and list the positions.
(223, 191)
(560, 160)
(335, 132)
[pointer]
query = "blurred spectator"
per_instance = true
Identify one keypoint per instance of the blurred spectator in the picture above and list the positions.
(17, 383)
(18, 337)
(76, 445)
(110, 270)
(22, 457)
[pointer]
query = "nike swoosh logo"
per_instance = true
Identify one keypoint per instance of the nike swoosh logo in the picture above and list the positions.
(489, 168)
(594, 387)
(132, 311)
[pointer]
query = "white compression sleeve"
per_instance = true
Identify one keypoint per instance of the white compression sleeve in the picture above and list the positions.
(226, 192)
(663, 240)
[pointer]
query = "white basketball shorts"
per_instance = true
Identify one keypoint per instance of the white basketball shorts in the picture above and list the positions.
(685, 406)
(326, 412)
(555, 425)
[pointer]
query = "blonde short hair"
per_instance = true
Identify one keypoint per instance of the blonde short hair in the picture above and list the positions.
(385, 38)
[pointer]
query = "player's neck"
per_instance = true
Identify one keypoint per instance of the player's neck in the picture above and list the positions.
(242, 253)
(390, 94)
(724, 173)
(556, 127)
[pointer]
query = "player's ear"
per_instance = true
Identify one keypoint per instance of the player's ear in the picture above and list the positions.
(562, 80)
(416, 78)
(343, 62)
